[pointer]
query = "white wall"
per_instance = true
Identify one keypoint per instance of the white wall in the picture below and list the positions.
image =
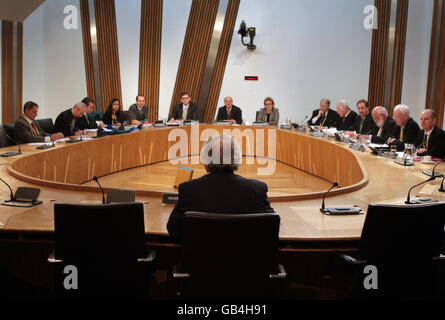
(128, 19)
(175, 18)
(418, 37)
(54, 69)
(34, 60)
(306, 50)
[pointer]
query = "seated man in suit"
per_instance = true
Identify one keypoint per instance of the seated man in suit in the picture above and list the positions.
(431, 139)
(324, 117)
(220, 191)
(67, 123)
(385, 126)
(186, 110)
(346, 116)
(86, 121)
(138, 112)
(230, 112)
(26, 130)
(406, 130)
(364, 124)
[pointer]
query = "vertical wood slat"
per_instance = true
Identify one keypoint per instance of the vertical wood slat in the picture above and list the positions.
(221, 60)
(195, 50)
(379, 50)
(87, 49)
(7, 28)
(108, 51)
(150, 54)
(399, 53)
(7, 71)
(438, 85)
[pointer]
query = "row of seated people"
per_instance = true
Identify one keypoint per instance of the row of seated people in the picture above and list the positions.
(378, 127)
(83, 116)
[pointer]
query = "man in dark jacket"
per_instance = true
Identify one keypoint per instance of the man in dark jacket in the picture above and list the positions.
(186, 110)
(431, 139)
(406, 130)
(230, 112)
(67, 123)
(385, 126)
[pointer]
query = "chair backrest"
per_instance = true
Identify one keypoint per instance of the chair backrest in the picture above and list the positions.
(123, 116)
(47, 124)
(401, 241)
(4, 141)
(9, 129)
(121, 196)
(95, 233)
(225, 251)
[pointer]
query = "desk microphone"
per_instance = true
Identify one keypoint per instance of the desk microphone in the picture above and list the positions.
(12, 195)
(323, 209)
(442, 189)
(301, 123)
(408, 199)
(434, 173)
(103, 193)
(11, 154)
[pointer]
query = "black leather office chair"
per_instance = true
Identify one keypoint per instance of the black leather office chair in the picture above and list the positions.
(4, 141)
(9, 129)
(229, 256)
(46, 124)
(106, 245)
(403, 243)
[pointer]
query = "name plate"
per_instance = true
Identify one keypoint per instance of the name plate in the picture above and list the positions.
(318, 134)
(170, 198)
(159, 125)
(286, 127)
(260, 124)
(357, 147)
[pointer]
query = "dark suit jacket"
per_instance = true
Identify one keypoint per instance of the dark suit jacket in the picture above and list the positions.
(368, 125)
(409, 134)
(63, 124)
(236, 114)
(331, 121)
(107, 118)
(135, 114)
(23, 132)
(388, 131)
(349, 122)
(436, 143)
(192, 113)
(86, 123)
(218, 193)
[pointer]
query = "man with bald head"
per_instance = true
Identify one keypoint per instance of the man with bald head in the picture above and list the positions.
(431, 139)
(67, 121)
(385, 125)
(230, 112)
(406, 130)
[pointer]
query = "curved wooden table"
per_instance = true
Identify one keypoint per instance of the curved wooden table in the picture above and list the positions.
(60, 172)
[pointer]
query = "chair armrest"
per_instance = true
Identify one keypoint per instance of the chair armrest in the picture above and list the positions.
(180, 274)
(281, 273)
(351, 260)
(149, 259)
(52, 258)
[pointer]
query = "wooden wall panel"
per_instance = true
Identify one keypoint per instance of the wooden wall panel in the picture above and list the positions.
(7, 71)
(379, 49)
(221, 60)
(436, 101)
(150, 54)
(195, 50)
(87, 49)
(108, 51)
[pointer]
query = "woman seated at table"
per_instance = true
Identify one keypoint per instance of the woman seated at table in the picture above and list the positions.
(112, 115)
(269, 113)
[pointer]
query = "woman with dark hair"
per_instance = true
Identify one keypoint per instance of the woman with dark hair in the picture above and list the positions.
(269, 114)
(112, 116)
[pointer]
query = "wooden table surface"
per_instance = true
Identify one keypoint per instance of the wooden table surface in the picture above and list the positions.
(59, 172)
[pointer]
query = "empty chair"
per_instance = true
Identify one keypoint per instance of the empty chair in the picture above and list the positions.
(121, 196)
(46, 125)
(401, 244)
(9, 129)
(4, 141)
(229, 256)
(106, 245)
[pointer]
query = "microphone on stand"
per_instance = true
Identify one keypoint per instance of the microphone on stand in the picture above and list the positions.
(323, 209)
(442, 189)
(103, 193)
(10, 154)
(12, 194)
(434, 173)
(408, 199)
(340, 210)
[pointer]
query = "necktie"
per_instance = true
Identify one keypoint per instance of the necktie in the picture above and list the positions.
(184, 113)
(324, 120)
(344, 120)
(229, 114)
(426, 139)
(361, 124)
(401, 134)
(379, 134)
(34, 129)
